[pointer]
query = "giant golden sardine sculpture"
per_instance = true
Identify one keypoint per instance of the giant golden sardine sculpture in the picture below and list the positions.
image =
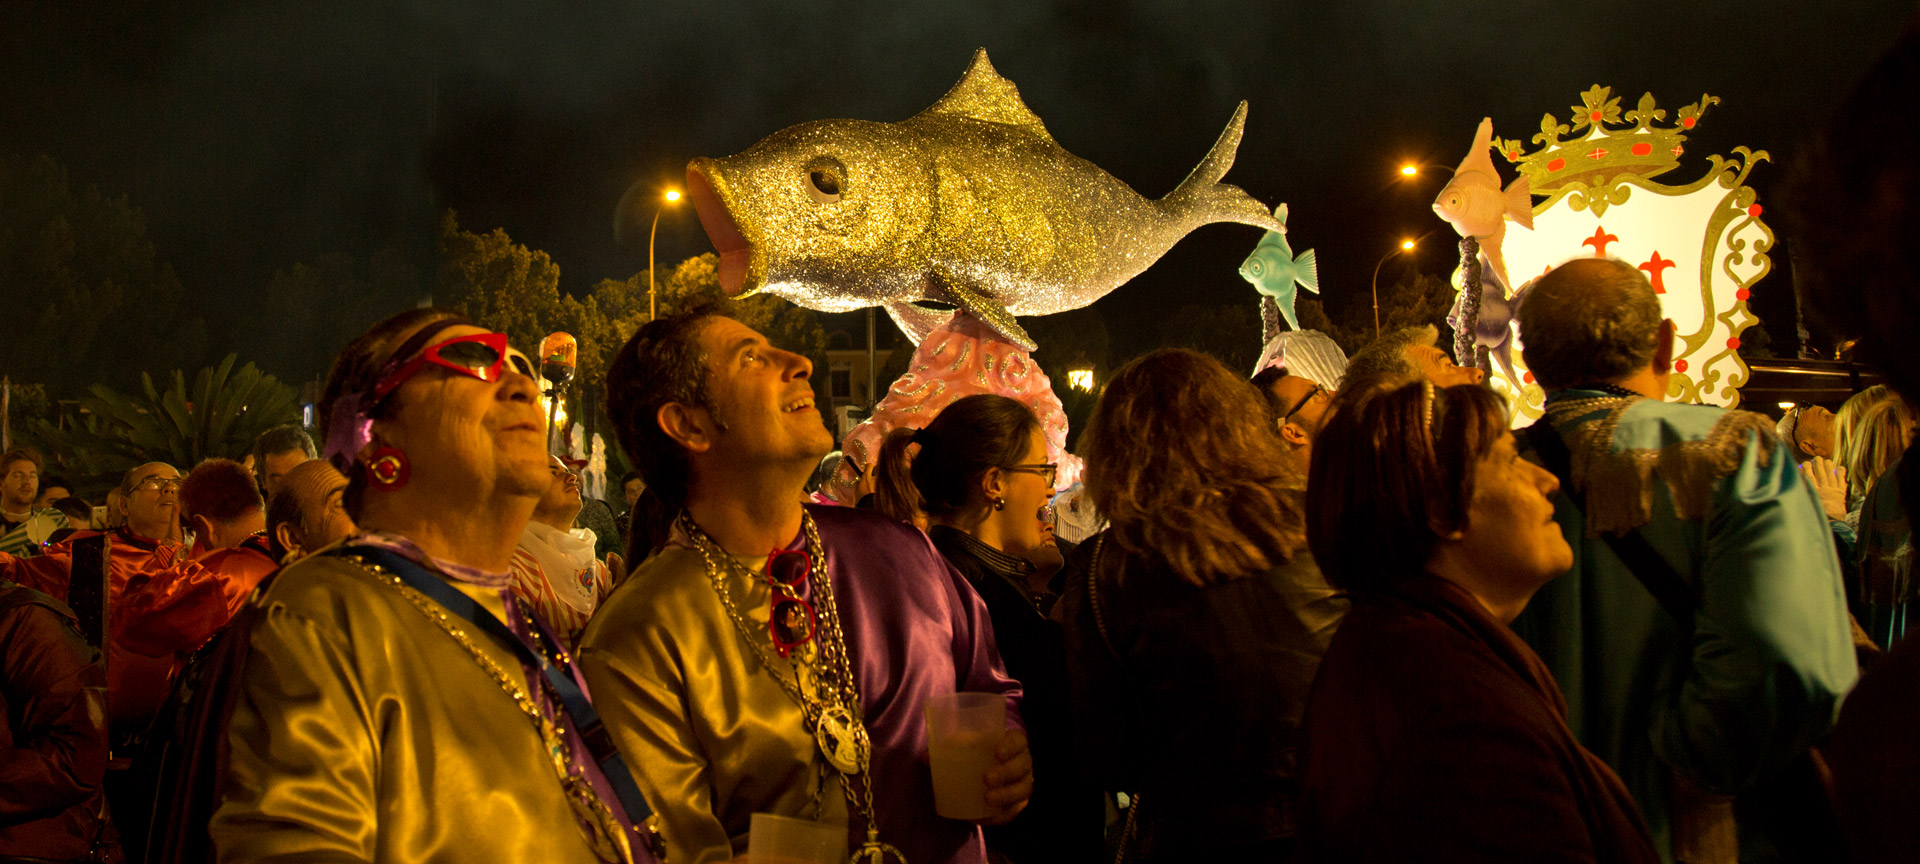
(969, 203)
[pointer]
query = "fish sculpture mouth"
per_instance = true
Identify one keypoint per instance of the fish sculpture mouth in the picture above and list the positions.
(742, 267)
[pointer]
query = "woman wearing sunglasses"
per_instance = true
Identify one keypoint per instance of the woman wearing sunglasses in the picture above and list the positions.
(981, 476)
(398, 703)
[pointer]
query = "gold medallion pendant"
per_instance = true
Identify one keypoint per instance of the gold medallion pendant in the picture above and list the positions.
(843, 740)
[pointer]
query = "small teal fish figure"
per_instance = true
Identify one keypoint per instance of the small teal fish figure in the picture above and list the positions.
(1274, 270)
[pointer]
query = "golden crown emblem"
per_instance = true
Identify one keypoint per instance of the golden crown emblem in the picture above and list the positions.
(1603, 142)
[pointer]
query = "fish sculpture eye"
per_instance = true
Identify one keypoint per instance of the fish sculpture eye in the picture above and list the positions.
(823, 183)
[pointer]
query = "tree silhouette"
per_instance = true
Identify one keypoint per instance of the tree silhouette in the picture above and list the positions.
(88, 297)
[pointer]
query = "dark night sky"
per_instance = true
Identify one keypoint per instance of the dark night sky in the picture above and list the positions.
(256, 134)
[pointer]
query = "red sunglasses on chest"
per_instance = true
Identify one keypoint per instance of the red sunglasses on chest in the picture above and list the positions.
(481, 355)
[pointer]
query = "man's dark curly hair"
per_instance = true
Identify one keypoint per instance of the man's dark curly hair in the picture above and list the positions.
(663, 363)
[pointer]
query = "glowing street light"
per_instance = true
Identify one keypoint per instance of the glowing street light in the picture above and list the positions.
(1410, 170)
(672, 196)
(1405, 246)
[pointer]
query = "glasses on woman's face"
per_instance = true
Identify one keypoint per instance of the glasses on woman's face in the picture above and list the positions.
(481, 355)
(157, 484)
(791, 622)
(1047, 470)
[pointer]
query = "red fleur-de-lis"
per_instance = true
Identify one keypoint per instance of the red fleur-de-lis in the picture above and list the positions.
(1599, 241)
(1653, 268)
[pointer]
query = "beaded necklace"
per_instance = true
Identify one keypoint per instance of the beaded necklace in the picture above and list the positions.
(596, 820)
(832, 709)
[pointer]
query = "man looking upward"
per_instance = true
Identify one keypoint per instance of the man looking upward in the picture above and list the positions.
(554, 568)
(721, 713)
(1406, 354)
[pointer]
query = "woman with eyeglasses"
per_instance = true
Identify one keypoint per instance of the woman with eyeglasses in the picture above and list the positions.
(1194, 622)
(979, 474)
(398, 703)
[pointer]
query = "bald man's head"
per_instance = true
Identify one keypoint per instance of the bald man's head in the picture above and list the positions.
(306, 513)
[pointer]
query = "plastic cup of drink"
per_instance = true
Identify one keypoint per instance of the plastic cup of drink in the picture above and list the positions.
(775, 839)
(963, 730)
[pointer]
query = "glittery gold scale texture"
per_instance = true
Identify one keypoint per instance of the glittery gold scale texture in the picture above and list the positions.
(970, 203)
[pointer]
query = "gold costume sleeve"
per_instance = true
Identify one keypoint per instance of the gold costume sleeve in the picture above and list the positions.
(710, 737)
(300, 778)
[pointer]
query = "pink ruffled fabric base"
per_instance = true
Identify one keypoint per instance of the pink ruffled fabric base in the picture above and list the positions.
(961, 358)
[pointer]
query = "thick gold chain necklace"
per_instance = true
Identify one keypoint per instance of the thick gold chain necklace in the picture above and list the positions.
(833, 713)
(597, 821)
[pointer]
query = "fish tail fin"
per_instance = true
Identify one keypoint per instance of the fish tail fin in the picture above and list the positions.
(1520, 203)
(1293, 318)
(1203, 199)
(1309, 277)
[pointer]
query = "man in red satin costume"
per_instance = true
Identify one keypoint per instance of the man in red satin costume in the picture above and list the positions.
(165, 603)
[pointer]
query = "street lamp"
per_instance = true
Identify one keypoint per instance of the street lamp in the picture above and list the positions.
(1413, 169)
(1405, 246)
(673, 195)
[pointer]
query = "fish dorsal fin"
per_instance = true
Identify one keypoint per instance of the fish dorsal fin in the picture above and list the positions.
(983, 95)
(1280, 213)
(1478, 158)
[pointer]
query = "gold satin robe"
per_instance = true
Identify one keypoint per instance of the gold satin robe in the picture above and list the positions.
(363, 732)
(671, 710)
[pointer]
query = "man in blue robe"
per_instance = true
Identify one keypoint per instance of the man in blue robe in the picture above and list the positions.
(1715, 704)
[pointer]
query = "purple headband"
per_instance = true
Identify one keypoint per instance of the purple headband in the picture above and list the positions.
(351, 428)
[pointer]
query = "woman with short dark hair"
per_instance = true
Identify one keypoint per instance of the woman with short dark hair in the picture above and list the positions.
(1195, 622)
(398, 702)
(1433, 733)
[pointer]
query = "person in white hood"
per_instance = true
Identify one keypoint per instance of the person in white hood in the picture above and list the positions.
(555, 573)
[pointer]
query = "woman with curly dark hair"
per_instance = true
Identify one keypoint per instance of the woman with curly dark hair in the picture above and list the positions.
(1433, 733)
(1195, 622)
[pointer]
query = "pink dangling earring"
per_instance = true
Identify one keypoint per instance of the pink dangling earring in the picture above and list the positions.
(388, 469)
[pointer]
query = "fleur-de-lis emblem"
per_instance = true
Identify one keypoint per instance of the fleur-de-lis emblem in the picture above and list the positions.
(1643, 116)
(1550, 131)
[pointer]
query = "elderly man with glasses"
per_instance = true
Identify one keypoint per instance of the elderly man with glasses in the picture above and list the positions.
(165, 603)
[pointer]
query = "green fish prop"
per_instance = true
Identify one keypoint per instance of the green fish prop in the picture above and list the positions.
(1275, 271)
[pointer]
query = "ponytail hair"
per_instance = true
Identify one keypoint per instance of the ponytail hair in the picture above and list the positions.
(967, 438)
(893, 491)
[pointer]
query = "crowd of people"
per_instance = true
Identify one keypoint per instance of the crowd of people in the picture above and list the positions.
(1340, 612)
